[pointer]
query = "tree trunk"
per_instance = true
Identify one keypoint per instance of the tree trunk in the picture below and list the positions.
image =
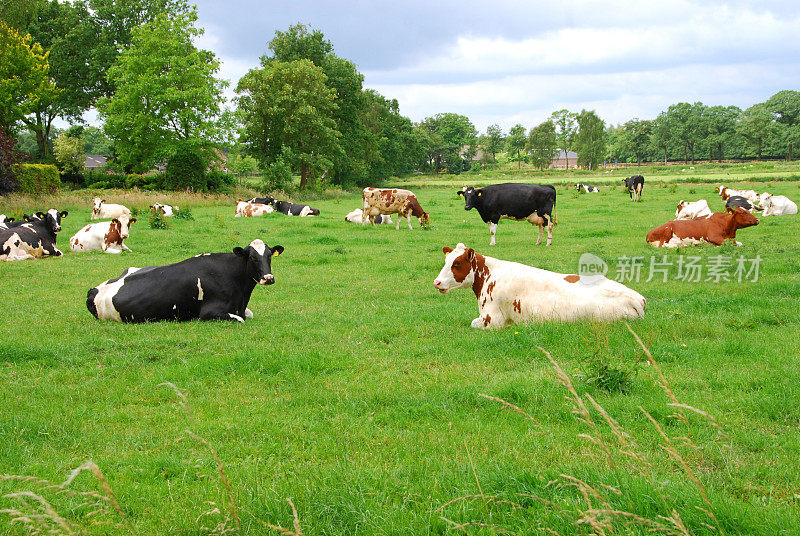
(303, 175)
(566, 159)
(665, 156)
(790, 152)
(638, 160)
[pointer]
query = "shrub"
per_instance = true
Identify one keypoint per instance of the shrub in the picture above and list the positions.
(38, 179)
(10, 156)
(69, 154)
(134, 180)
(96, 179)
(278, 176)
(186, 170)
(183, 213)
(157, 220)
(218, 180)
(609, 376)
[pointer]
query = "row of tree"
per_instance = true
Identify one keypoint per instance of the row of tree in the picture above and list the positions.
(304, 109)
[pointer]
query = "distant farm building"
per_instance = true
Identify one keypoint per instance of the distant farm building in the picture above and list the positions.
(559, 162)
(94, 161)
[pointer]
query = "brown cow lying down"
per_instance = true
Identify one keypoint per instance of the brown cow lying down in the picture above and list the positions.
(714, 229)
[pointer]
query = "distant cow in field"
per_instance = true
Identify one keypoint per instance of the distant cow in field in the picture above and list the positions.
(32, 240)
(294, 209)
(588, 189)
(535, 203)
(166, 210)
(357, 216)
(379, 201)
(777, 205)
(102, 210)
(245, 209)
(714, 229)
(750, 195)
(104, 236)
(687, 210)
(512, 293)
(634, 185)
(210, 286)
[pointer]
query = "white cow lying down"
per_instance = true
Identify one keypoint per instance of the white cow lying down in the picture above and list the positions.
(687, 210)
(777, 205)
(101, 209)
(513, 293)
(356, 217)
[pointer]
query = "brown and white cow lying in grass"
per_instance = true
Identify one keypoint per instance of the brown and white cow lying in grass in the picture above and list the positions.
(105, 236)
(714, 229)
(378, 201)
(513, 293)
(246, 209)
(750, 195)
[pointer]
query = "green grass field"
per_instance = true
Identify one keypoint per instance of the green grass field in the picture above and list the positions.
(355, 389)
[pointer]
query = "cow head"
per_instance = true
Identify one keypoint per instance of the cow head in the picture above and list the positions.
(742, 218)
(471, 197)
(259, 260)
(96, 202)
(458, 269)
(123, 226)
(680, 207)
(52, 219)
(425, 219)
(721, 191)
(765, 201)
(6, 219)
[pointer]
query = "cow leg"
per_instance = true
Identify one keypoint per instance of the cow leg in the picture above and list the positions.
(399, 219)
(248, 313)
(539, 240)
(126, 248)
(490, 318)
(214, 313)
(408, 219)
(492, 232)
(549, 230)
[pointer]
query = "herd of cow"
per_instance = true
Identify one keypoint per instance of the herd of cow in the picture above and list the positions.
(217, 286)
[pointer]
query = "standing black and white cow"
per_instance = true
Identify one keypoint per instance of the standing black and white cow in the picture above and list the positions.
(634, 185)
(535, 203)
(34, 239)
(295, 209)
(211, 286)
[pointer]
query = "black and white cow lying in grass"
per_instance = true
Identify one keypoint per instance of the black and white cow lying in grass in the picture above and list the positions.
(588, 189)
(211, 286)
(513, 293)
(32, 240)
(357, 216)
(294, 209)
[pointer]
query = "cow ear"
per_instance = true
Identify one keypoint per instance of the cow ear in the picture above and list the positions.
(460, 192)
(729, 209)
(64, 213)
(115, 220)
(239, 251)
(480, 194)
(446, 250)
(40, 214)
(470, 254)
(102, 200)
(132, 220)
(277, 250)
(26, 217)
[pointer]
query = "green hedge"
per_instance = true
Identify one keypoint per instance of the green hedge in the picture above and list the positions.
(38, 179)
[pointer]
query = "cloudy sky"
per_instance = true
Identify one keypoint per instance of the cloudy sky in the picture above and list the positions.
(516, 61)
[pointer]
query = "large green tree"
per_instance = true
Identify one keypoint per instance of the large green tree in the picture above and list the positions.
(566, 128)
(24, 80)
(663, 139)
(756, 125)
(167, 93)
(785, 106)
(543, 144)
(590, 140)
(287, 111)
(720, 126)
(685, 120)
(636, 137)
(493, 141)
(515, 143)
(448, 134)
(69, 34)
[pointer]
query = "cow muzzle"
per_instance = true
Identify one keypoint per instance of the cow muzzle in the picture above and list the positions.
(268, 279)
(440, 286)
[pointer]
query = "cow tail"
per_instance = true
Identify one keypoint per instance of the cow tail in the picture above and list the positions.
(555, 216)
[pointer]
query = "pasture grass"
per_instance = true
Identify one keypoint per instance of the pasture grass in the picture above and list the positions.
(356, 390)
